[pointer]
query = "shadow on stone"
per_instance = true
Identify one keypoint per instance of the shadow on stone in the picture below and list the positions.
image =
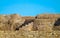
(25, 23)
(57, 23)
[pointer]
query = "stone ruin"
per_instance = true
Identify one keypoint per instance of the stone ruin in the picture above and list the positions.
(42, 22)
(47, 22)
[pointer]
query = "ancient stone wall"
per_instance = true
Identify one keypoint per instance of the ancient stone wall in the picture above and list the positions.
(40, 26)
(46, 22)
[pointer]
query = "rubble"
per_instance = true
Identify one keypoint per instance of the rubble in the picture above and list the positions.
(40, 26)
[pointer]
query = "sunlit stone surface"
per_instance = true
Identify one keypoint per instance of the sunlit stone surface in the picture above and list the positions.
(40, 26)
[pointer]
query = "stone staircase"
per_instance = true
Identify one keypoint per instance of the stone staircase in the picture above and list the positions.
(27, 27)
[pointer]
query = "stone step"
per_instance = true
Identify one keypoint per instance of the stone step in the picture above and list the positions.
(45, 20)
(27, 27)
(48, 16)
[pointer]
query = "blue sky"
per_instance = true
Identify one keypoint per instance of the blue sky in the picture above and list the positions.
(29, 7)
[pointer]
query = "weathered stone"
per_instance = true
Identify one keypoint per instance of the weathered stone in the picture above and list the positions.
(41, 26)
(16, 21)
(48, 16)
(27, 27)
(10, 22)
